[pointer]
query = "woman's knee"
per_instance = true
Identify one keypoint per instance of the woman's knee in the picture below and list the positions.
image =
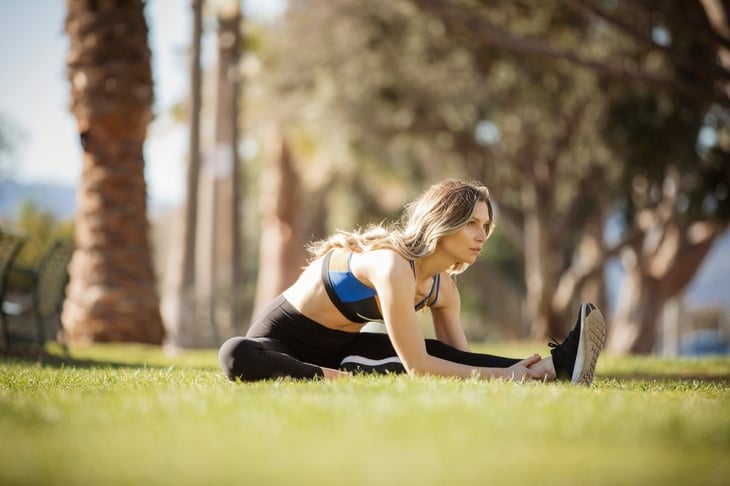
(238, 357)
(249, 359)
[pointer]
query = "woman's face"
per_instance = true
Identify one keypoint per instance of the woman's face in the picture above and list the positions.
(465, 245)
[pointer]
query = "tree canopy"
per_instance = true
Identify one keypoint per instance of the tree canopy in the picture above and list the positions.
(572, 112)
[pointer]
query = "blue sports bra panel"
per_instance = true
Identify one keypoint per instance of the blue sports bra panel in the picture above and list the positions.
(355, 300)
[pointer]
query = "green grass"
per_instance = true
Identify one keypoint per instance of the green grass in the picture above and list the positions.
(131, 415)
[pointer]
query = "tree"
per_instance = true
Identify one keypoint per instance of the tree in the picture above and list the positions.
(218, 249)
(673, 58)
(112, 294)
(675, 192)
(179, 299)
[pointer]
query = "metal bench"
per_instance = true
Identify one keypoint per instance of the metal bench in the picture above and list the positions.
(47, 292)
(10, 245)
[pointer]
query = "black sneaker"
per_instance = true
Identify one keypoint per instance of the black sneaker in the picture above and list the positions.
(361, 364)
(575, 358)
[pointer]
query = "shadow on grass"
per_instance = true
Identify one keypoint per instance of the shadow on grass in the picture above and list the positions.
(37, 355)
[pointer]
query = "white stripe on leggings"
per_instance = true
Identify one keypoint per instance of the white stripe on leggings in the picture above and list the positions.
(362, 360)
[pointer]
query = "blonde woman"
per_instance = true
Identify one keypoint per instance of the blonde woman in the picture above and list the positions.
(312, 330)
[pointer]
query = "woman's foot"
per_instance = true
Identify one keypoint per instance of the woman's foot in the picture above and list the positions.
(330, 374)
(575, 358)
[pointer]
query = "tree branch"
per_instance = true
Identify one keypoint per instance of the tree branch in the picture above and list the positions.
(488, 33)
(587, 10)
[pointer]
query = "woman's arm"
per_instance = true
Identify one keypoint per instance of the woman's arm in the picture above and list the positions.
(392, 278)
(446, 315)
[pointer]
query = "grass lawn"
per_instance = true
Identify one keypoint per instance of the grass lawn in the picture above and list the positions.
(126, 414)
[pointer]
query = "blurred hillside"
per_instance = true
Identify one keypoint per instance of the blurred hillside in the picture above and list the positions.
(58, 199)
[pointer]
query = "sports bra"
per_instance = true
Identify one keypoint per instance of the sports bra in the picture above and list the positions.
(355, 300)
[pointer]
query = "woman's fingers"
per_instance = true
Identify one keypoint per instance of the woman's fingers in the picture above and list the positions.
(527, 362)
(522, 370)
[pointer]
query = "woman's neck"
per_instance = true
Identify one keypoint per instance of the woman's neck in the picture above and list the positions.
(431, 265)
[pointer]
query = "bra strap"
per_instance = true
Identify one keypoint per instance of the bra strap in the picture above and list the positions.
(331, 291)
(438, 288)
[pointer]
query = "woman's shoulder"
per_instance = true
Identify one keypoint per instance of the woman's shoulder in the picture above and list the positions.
(383, 255)
(384, 261)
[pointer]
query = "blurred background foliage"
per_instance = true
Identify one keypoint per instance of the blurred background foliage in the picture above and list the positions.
(601, 128)
(574, 114)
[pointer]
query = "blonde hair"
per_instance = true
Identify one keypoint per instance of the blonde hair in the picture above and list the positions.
(441, 210)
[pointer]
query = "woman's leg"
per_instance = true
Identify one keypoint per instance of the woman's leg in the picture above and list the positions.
(282, 342)
(437, 348)
(252, 359)
(444, 351)
(373, 352)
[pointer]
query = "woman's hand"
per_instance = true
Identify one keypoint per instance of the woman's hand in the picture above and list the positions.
(521, 371)
(545, 368)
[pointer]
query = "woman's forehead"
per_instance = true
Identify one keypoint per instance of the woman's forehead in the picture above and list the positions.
(480, 211)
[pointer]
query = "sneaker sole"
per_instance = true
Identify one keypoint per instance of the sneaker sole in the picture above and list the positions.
(590, 344)
(361, 364)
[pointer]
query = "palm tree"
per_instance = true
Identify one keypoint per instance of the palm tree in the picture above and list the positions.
(218, 273)
(179, 306)
(112, 294)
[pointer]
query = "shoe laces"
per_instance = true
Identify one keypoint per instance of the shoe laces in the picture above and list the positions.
(563, 354)
(553, 342)
(558, 346)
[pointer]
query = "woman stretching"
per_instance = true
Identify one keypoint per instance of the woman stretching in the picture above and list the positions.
(312, 330)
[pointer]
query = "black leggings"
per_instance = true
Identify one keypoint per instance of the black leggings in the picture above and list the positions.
(282, 342)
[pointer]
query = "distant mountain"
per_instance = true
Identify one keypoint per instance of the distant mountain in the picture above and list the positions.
(58, 199)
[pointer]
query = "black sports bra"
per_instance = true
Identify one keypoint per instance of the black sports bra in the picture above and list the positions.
(358, 302)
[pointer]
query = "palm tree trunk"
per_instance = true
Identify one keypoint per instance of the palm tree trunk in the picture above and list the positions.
(112, 294)
(219, 244)
(179, 303)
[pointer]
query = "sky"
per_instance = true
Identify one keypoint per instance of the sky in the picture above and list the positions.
(34, 91)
